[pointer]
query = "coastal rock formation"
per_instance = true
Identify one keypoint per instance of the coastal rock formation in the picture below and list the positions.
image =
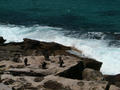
(91, 63)
(113, 79)
(76, 73)
(60, 83)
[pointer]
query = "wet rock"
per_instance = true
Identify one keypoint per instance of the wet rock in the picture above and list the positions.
(31, 44)
(92, 75)
(50, 47)
(2, 40)
(91, 63)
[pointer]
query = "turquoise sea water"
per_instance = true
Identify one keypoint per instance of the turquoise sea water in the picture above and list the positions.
(92, 26)
(87, 15)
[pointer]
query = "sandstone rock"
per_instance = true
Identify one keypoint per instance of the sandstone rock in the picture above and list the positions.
(59, 83)
(20, 87)
(112, 87)
(92, 75)
(26, 72)
(4, 87)
(16, 66)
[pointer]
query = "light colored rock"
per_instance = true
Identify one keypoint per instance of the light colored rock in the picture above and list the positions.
(113, 87)
(92, 75)
(60, 83)
(4, 87)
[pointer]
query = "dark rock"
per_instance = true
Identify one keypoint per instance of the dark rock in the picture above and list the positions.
(29, 86)
(38, 79)
(44, 65)
(92, 75)
(61, 62)
(74, 72)
(2, 40)
(22, 72)
(113, 79)
(8, 81)
(25, 61)
(54, 85)
(49, 47)
(2, 66)
(28, 47)
(30, 44)
(91, 63)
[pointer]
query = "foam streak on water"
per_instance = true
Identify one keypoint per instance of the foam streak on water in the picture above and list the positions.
(98, 49)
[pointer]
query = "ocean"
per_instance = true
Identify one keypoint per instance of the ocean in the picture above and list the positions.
(91, 26)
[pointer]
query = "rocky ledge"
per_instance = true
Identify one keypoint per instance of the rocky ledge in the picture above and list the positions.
(35, 65)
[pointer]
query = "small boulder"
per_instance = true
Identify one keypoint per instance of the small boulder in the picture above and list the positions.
(92, 75)
(8, 81)
(112, 87)
(113, 79)
(38, 79)
(91, 63)
(54, 85)
(2, 40)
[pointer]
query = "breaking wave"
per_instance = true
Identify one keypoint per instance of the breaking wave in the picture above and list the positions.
(92, 44)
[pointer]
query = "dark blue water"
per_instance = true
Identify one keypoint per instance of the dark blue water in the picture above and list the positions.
(80, 15)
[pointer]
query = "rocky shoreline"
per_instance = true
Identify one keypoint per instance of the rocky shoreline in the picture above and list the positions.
(50, 66)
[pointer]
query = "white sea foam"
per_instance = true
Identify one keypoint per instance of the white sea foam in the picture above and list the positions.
(98, 49)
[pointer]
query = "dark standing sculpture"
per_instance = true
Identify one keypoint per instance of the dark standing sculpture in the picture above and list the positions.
(61, 61)
(25, 61)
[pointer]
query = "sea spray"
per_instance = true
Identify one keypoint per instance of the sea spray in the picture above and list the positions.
(93, 48)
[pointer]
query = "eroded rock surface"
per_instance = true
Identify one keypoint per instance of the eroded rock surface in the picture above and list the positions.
(92, 75)
(76, 73)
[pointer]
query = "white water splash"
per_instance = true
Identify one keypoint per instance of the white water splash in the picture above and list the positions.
(98, 49)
